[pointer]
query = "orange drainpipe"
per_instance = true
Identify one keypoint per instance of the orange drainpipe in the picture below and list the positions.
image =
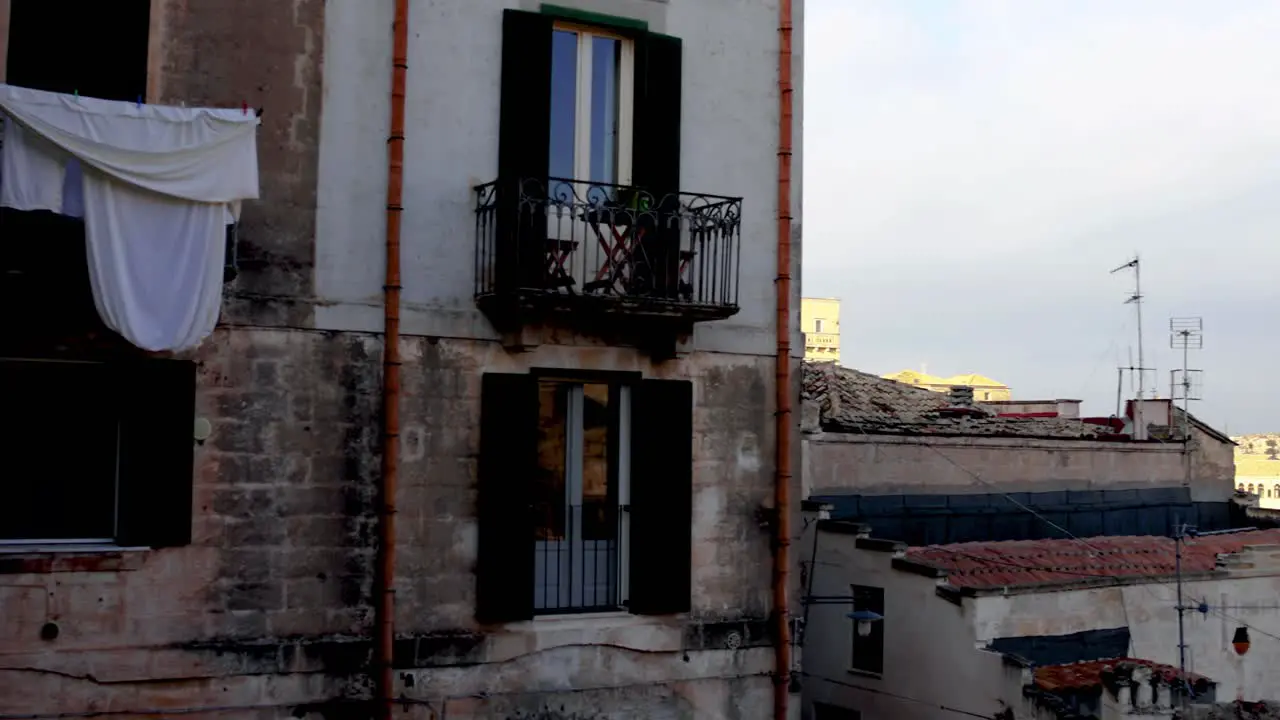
(384, 593)
(782, 415)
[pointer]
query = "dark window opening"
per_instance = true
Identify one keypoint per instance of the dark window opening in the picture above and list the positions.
(100, 452)
(585, 499)
(868, 649)
(96, 49)
(62, 418)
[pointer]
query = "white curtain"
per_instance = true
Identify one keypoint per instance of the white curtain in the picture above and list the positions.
(156, 187)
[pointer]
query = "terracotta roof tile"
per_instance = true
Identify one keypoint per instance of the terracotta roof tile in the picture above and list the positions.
(853, 401)
(1021, 563)
(1087, 675)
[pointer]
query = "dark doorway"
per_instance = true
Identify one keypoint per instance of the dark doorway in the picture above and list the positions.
(97, 48)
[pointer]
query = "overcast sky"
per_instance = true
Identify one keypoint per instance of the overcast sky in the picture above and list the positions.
(973, 170)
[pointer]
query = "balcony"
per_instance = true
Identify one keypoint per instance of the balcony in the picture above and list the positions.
(601, 252)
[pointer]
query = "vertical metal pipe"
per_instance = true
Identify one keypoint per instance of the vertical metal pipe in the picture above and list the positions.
(782, 380)
(385, 591)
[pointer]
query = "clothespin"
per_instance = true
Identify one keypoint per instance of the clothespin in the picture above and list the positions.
(76, 92)
(139, 102)
(244, 107)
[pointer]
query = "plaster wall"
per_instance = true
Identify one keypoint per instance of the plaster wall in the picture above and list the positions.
(843, 463)
(1149, 612)
(929, 654)
(729, 147)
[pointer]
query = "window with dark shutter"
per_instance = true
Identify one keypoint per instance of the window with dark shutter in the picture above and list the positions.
(657, 155)
(661, 497)
(156, 452)
(117, 448)
(524, 130)
(507, 464)
(868, 649)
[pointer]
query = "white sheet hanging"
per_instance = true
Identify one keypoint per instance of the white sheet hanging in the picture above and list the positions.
(198, 154)
(162, 259)
(32, 171)
(156, 187)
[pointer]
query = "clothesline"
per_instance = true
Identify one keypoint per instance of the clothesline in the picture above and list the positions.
(156, 186)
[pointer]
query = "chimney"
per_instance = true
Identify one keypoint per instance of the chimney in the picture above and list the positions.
(961, 396)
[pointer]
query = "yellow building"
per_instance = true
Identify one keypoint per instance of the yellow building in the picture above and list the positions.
(1258, 467)
(820, 322)
(984, 388)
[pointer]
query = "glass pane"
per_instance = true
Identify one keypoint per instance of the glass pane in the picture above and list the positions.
(564, 101)
(605, 54)
(597, 515)
(548, 491)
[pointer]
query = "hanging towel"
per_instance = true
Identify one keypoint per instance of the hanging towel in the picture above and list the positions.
(32, 171)
(156, 187)
(155, 263)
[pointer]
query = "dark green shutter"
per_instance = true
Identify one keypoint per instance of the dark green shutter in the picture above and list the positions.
(156, 457)
(524, 148)
(656, 154)
(661, 497)
(508, 461)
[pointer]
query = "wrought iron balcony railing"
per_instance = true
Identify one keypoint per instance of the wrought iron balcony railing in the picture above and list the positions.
(571, 244)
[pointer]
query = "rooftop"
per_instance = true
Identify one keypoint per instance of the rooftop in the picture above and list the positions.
(1088, 675)
(853, 401)
(1031, 563)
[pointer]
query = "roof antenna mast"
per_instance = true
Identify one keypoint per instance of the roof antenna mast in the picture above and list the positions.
(1136, 300)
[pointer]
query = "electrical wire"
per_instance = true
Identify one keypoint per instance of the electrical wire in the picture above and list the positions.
(876, 691)
(1069, 535)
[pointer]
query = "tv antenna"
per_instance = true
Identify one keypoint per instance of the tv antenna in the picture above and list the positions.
(1140, 370)
(1186, 334)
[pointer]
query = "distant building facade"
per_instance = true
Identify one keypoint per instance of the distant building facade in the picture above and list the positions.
(1258, 468)
(1038, 629)
(984, 388)
(867, 435)
(820, 322)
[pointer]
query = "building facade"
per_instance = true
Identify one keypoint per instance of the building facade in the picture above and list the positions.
(1040, 629)
(586, 441)
(867, 435)
(820, 322)
(984, 388)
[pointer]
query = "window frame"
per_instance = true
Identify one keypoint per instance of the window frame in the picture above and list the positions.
(77, 541)
(875, 638)
(620, 473)
(582, 95)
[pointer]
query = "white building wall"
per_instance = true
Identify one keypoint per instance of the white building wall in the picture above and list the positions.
(729, 141)
(1149, 612)
(930, 652)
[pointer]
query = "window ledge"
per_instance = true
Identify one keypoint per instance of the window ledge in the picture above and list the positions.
(866, 674)
(22, 559)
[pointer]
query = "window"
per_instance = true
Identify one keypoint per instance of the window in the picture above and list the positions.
(585, 495)
(986, 395)
(817, 325)
(592, 77)
(588, 104)
(868, 650)
(581, 496)
(108, 452)
(44, 276)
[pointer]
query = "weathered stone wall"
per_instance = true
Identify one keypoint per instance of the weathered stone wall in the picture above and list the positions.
(267, 614)
(270, 605)
(268, 55)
